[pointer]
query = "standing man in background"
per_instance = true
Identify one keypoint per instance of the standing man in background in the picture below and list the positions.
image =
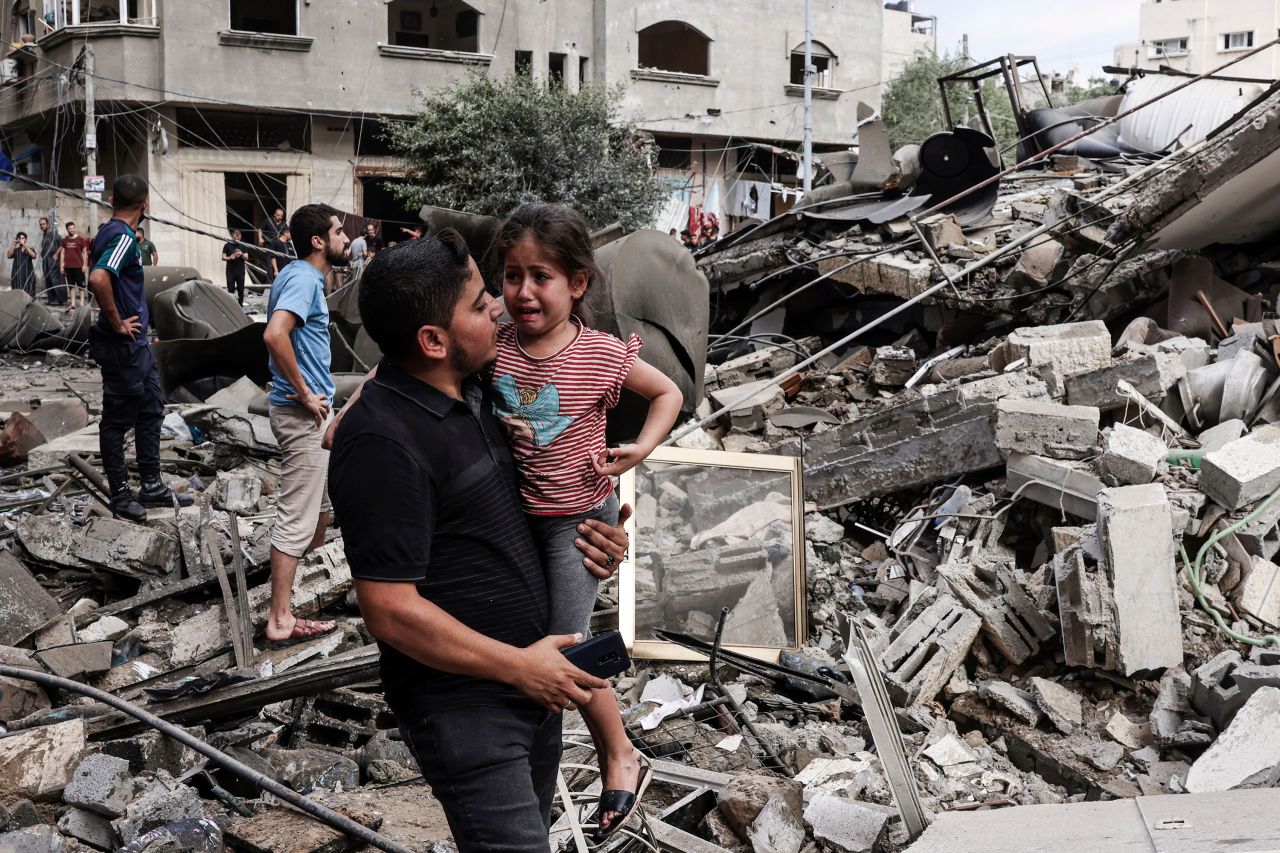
(131, 397)
(234, 255)
(297, 339)
(147, 250)
(75, 251)
(22, 275)
(50, 252)
(272, 227)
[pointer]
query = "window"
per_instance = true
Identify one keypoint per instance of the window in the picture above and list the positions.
(674, 152)
(1169, 47)
(278, 17)
(435, 24)
(524, 61)
(1237, 41)
(675, 46)
(64, 13)
(555, 68)
(824, 62)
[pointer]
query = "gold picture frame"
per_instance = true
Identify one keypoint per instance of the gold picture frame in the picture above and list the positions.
(649, 596)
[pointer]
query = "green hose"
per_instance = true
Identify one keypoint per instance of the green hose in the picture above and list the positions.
(1196, 579)
(1192, 458)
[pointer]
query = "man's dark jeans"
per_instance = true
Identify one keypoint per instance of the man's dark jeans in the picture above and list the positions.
(492, 769)
(131, 399)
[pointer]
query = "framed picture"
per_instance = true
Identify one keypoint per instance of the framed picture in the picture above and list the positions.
(411, 21)
(714, 530)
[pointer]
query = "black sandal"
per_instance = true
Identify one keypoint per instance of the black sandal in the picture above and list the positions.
(626, 802)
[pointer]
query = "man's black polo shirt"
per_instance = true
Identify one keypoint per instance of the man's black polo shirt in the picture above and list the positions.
(424, 487)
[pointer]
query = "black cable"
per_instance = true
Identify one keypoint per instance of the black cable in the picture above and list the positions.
(326, 815)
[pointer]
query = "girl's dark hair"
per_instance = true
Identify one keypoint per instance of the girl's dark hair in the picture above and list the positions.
(560, 230)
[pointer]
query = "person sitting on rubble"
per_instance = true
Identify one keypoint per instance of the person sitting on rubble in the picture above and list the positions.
(297, 340)
(552, 384)
(118, 342)
(447, 574)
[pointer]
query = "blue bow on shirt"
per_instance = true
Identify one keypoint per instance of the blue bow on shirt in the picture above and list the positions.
(542, 415)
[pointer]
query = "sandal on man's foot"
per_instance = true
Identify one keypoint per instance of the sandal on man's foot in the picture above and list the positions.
(303, 631)
(626, 802)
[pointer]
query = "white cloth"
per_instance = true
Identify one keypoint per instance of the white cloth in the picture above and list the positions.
(752, 199)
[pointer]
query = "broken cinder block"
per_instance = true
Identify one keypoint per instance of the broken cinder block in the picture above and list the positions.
(1131, 457)
(1009, 616)
(924, 655)
(1064, 349)
(1046, 428)
(1245, 470)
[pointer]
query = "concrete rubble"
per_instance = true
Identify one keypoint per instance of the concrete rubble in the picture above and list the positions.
(1044, 497)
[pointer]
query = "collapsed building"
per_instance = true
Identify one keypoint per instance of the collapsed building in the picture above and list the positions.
(1039, 430)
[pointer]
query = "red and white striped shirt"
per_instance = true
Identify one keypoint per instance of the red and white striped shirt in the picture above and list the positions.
(561, 402)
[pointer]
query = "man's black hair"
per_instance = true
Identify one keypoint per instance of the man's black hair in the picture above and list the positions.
(128, 192)
(67, 224)
(310, 220)
(416, 284)
(21, 234)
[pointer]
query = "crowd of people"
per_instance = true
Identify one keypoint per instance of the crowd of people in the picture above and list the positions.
(469, 475)
(61, 262)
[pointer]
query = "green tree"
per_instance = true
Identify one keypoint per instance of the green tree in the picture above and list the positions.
(485, 146)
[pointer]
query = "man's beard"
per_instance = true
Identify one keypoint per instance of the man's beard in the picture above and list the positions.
(336, 260)
(464, 364)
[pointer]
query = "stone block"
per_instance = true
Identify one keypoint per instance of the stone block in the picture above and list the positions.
(1064, 485)
(237, 491)
(1259, 591)
(107, 628)
(1218, 437)
(942, 231)
(891, 367)
(1065, 348)
(93, 829)
(165, 802)
(921, 659)
(35, 839)
(1151, 374)
(77, 660)
(1045, 428)
(744, 796)
(38, 763)
(24, 604)
(1063, 706)
(776, 829)
(845, 825)
(1214, 690)
(1248, 751)
(127, 549)
(102, 784)
(50, 539)
(1261, 537)
(1018, 703)
(1136, 527)
(1131, 457)
(1245, 470)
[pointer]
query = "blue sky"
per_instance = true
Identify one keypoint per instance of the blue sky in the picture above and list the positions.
(1063, 34)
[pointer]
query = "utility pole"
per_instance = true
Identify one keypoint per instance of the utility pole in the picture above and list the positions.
(90, 127)
(807, 162)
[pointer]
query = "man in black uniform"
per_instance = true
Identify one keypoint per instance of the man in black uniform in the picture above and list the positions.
(131, 397)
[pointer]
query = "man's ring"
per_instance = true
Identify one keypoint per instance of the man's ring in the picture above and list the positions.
(609, 562)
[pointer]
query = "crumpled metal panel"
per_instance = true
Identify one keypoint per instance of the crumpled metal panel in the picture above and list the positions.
(952, 162)
(1187, 116)
(196, 309)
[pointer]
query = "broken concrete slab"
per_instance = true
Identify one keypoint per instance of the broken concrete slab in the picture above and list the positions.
(1247, 752)
(1131, 457)
(24, 604)
(77, 659)
(1128, 733)
(128, 549)
(38, 763)
(1010, 618)
(1218, 437)
(1063, 706)
(743, 798)
(891, 367)
(1070, 487)
(107, 628)
(1152, 375)
(1045, 428)
(93, 829)
(101, 784)
(777, 829)
(165, 802)
(1259, 590)
(1085, 609)
(846, 825)
(237, 491)
(35, 839)
(1017, 702)
(1245, 470)
(1136, 528)
(1064, 349)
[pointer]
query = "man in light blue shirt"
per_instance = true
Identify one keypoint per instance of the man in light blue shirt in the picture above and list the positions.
(297, 339)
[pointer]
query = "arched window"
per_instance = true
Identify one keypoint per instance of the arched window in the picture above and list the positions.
(675, 46)
(824, 63)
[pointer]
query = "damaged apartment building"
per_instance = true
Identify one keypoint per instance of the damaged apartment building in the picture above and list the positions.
(233, 108)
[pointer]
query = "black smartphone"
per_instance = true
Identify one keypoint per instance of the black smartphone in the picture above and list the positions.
(604, 655)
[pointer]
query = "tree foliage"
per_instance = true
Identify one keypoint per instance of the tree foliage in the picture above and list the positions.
(485, 146)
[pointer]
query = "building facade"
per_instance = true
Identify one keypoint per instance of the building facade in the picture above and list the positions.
(1200, 35)
(231, 108)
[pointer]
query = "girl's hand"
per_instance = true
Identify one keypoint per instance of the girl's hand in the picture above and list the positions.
(618, 460)
(517, 428)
